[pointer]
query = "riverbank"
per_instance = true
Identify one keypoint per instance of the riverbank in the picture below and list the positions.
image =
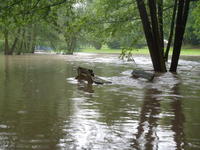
(195, 52)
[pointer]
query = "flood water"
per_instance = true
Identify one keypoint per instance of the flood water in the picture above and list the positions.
(42, 106)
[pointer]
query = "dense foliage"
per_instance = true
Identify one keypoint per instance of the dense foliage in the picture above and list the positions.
(68, 25)
(71, 24)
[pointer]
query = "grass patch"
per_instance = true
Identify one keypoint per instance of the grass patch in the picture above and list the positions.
(103, 50)
(113, 51)
(190, 52)
(138, 51)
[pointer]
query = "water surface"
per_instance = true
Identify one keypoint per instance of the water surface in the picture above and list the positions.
(42, 106)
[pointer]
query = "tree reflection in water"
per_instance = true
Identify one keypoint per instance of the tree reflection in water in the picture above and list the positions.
(31, 110)
(85, 87)
(6, 68)
(179, 119)
(146, 136)
(148, 121)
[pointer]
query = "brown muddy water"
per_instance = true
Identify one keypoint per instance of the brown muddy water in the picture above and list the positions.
(42, 106)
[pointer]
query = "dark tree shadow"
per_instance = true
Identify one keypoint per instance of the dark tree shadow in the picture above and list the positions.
(146, 136)
(179, 119)
(86, 87)
(146, 129)
(7, 68)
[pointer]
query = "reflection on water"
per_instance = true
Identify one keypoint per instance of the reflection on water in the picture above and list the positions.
(146, 136)
(43, 107)
(178, 120)
(85, 87)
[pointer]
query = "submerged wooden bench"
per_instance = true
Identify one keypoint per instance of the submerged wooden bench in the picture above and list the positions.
(143, 74)
(89, 76)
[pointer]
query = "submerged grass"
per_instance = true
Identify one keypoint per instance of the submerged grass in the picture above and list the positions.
(138, 51)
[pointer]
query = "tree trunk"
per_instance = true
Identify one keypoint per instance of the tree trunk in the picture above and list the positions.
(71, 44)
(22, 43)
(15, 42)
(152, 35)
(14, 45)
(33, 40)
(171, 31)
(147, 29)
(27, 40)
(182, 15)
(160, 23)
(158, 38)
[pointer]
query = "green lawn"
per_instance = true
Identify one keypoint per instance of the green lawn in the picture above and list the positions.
(190, 52)
(139, 51)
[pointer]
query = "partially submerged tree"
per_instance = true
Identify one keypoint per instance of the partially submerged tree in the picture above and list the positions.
(182, 14)
(171, 31)
(152, 33)
(151, 14)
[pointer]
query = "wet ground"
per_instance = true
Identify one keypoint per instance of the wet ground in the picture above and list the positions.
(43, 107)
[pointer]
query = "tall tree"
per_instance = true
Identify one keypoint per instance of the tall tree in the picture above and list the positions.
(182, 15)
(153, 29)
(171, 31)
(152, 33)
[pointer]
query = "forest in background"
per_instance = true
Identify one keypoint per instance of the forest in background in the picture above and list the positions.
(69, 25)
